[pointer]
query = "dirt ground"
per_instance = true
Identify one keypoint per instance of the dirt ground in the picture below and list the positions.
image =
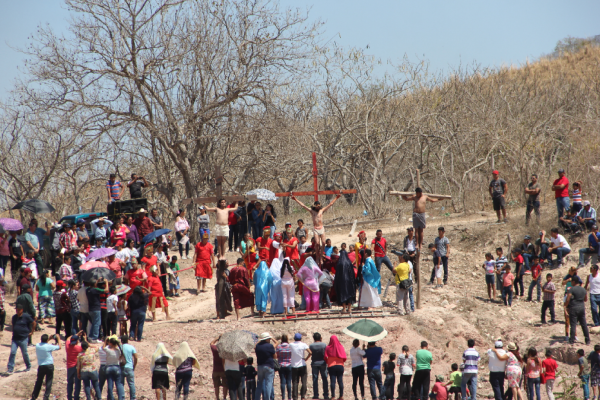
(446, 319)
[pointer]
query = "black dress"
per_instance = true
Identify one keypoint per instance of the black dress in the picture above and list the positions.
(344, 281)
(160, 375)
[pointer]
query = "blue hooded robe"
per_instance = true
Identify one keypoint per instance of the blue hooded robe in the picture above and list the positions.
(263, 280)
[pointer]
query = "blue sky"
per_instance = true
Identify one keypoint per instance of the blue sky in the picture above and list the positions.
(446, 33)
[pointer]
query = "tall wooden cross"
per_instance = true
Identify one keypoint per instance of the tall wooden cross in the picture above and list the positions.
(418, 253)
(218, 193)
(316, 192)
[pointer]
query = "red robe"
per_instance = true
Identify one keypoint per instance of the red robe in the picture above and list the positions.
(242, 296)
(293, 254)
(133, 278)
(150, 262)
(204, 260)
(156, 291)
(264, 254)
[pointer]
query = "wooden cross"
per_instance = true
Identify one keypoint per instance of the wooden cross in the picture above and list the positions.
(418, 253)
(316, 192)
(218, 193)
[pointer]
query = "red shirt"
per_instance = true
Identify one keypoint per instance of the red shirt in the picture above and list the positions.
(263, 254)
(153, 283)
(379, 250)
(535, 271)
(293, 254)
(72, 353)
(144, 226)
(564, 192)
(550, 366)
(150, 261)
(115, 267)
(440, 391)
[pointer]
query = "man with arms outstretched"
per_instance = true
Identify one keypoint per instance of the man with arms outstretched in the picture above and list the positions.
(419, 213)
(317, 217)
(221, 226)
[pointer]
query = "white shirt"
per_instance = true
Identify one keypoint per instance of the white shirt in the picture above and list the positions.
(123, 255)
(560, 241)
(111, 303)
(302, 247)
(298, 349)
(356, 355)
(494, 364)
(594, 284)
(231, 365)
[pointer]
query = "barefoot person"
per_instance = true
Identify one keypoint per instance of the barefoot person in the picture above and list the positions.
(157, 297)
(240, 288)
(419, 213)
(204, 260)
(317, 217)
(222, 224)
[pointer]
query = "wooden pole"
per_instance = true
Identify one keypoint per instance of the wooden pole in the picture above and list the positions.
(417, 258)
(315, 174)
(433, 196)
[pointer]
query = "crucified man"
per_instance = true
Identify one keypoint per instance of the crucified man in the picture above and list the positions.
(419, 213)
(221, 226)
(316, 213)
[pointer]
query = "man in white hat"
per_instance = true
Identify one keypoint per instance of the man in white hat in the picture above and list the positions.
(265, 353)
(143, 223)
(587, 215)
(496, 368)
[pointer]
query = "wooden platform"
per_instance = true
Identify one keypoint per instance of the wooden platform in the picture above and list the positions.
(325, 314)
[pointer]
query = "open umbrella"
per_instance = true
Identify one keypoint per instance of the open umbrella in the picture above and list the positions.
(153, 235)
(35, 206)
(262, 194)
(97, 273)
(235, 345)
(122, 289)
(93, 264)
(10, 224)
(101, 253)
(367, 330)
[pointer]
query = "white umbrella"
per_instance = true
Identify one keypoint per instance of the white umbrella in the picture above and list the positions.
(262, 194)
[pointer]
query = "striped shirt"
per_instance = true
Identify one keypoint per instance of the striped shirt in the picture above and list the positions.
(501, 262)
(577, 196)
(549, 286)
(587, 214)
(284, 354)
(115, 189)
(470, 358)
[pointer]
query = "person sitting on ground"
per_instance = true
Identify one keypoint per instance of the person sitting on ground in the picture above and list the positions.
(439, 391)
(559, 246)
(592, 248)
(587, 216)
(569, 222)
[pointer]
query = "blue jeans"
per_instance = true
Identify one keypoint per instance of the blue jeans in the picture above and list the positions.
(562, 204)
(95, 318)
(138, 317)
(585, 380)
(471, 381)
(128, 373)
(73, 382)
(532, 284)
(531, 383)
(412, 299)
(18, 344)
(101, 376)
(527, 260)
(264, 384)
(74, 322)
(583, 252)
(316, 371)
(336, 373)
(113, 376)
(507, 295)
(285, 377)
(560, 253)
(374, 377)
(90, 379)
(544, 255)
(595, 303)
(385, 260)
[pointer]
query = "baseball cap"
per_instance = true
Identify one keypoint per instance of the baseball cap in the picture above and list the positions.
(586, 203)
(498, 344)
(527, 237)
(297, 336)
(495, 172)
(562, 171)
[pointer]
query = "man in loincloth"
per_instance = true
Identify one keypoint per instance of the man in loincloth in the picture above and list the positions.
(222, 224)
(419, 213)
(316, 213)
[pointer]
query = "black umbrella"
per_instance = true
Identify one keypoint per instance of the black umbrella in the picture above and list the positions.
(35, 206)
(96, 273)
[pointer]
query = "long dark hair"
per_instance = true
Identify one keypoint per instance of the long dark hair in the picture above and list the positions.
(273, 213)
(286, 264)
(44, 277)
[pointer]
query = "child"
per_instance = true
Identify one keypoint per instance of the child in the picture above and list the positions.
(390, 378)
(111, 311)
(65, 271)
(250, 379)
(300, 230)
(335, 251)
(439, 391)
(327, 250)
(549, 366)
(454, 382)
(437, 262)
(584, 372)
(303, 244)
(16, 255)
(500, 263)
(549, 289)
(325, 285)
(29, 262)
(97, 246)
(122, 315)
(490, 271)
(174, 278)
(536, 279)
(507, 284)
(519, 272)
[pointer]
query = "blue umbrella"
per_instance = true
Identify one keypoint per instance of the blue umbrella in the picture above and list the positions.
(151, 236)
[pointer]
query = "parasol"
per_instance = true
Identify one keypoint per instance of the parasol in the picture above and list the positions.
(93, 274)
(122, 289)
(35, 206)
(262, 194)
(92, 264)
(367, 330)
(235, 345)
(10, 224)
(101, 253)
(153, 235)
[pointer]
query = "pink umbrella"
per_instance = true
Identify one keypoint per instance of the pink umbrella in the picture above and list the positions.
(92, 264)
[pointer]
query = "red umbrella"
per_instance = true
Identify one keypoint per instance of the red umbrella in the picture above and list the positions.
(92, 264)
